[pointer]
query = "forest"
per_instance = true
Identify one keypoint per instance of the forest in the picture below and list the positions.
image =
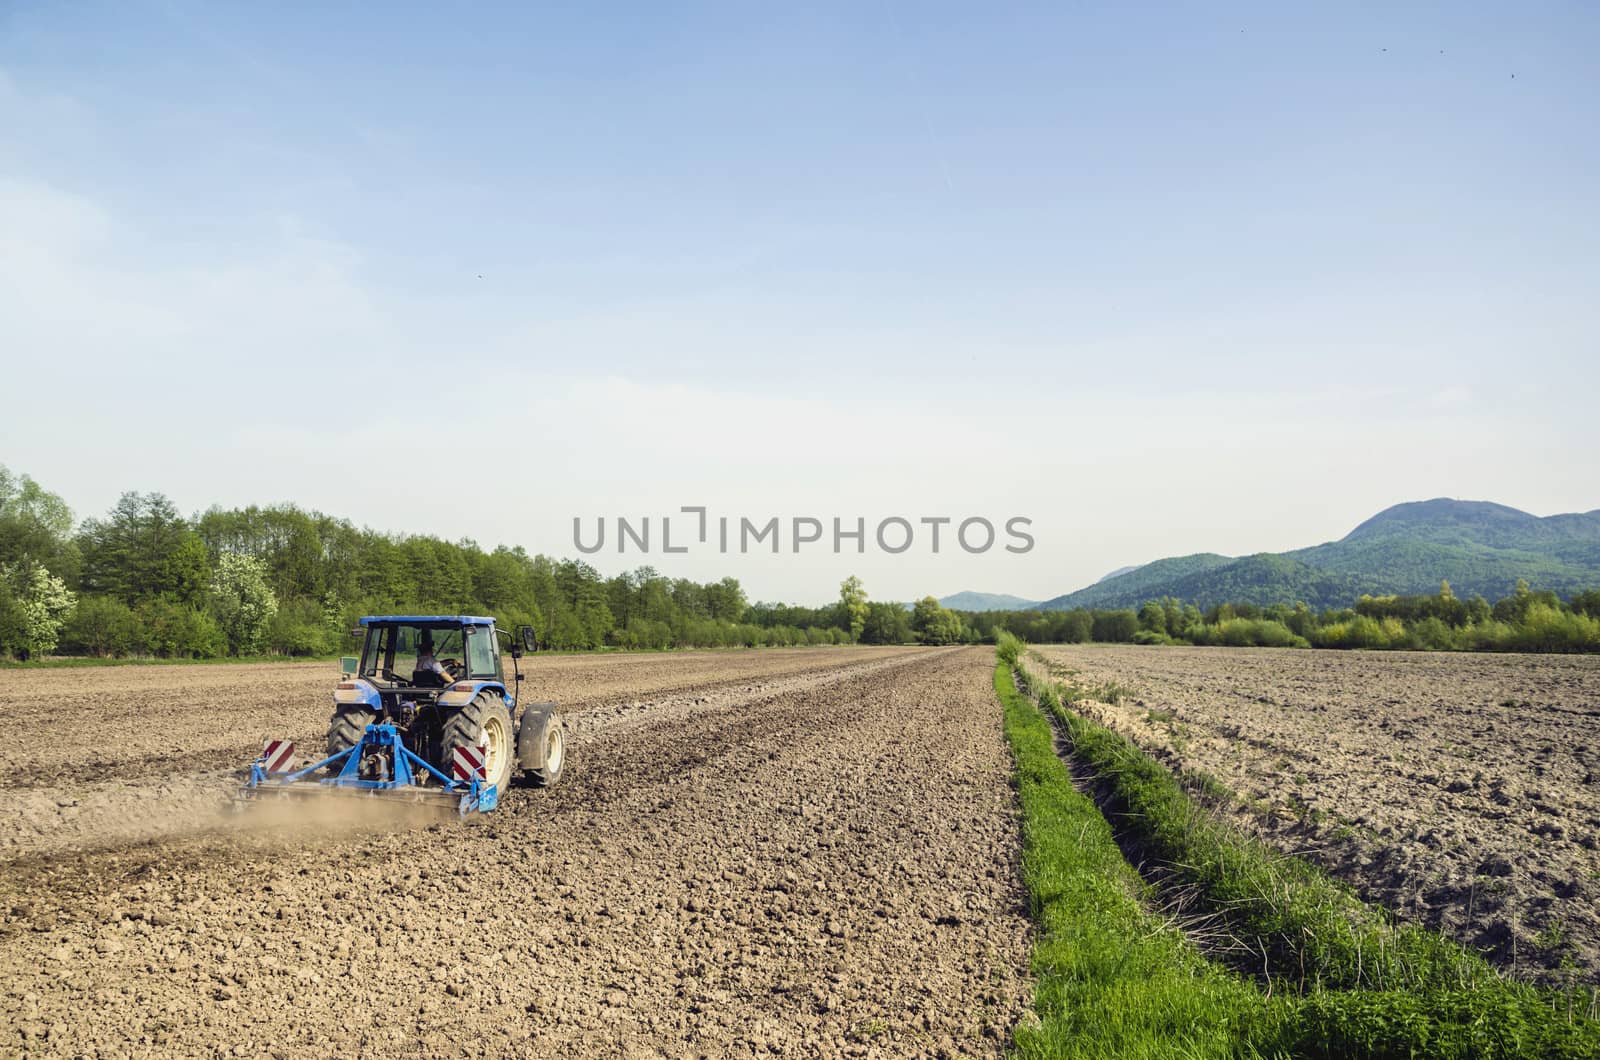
(146, 580)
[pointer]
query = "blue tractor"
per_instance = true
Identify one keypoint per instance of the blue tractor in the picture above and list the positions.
(425, 715)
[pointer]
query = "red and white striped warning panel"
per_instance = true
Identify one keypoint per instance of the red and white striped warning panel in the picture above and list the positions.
(469, 762)
(279, 755)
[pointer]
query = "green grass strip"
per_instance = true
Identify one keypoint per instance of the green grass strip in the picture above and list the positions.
(1313, 932)
(1350, 982)
(1113, 979)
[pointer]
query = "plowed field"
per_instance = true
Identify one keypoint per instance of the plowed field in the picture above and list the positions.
(805, 852)
(1463, 791)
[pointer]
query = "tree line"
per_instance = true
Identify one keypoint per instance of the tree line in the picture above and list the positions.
(146, 580)
(1526, 620)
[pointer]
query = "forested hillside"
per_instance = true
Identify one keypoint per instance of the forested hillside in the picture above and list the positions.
(1137, 582)
(1482, 549)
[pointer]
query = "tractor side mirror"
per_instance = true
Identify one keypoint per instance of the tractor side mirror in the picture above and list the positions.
(525, 634)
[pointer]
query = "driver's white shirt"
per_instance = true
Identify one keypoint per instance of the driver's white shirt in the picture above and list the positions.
(429, 663)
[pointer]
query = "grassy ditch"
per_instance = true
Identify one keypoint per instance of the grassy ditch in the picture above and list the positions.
(1115, 979)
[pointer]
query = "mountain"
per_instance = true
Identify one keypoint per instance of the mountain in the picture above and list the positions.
(970, 601)
(1479, 547)
(1116, 573)
(1142, 582)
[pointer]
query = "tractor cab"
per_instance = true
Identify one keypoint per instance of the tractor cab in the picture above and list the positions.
(408, 652)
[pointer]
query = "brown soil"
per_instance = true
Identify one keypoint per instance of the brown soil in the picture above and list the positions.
(1462, 791)
(119, 752)
(807, 852)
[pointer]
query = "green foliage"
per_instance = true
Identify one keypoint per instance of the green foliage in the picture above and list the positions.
(302, 627)
(1153, 618)
(37, 605)
(242, 601)
(934, 624)
(103, 626)
(35, 527)
(886, 624)
(1114, 626)
(10, 619)
(1527, 620)
(1008, 648)
(176, 631)
(1248, 633)
(143, 549)
(144, 563)
(1587, 603)
(853, 598)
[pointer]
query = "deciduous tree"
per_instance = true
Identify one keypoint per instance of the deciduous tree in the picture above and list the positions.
(854, 599)
(243, 602)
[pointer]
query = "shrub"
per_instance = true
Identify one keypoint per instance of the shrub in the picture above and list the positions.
(1249, 633)
(1432, 634)
(299, 628)
(102, 625)
(1547, 628)
(1008, 647)
(171, 630)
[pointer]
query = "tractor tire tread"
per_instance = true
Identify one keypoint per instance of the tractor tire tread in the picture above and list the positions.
(461, 727)
(347, 726)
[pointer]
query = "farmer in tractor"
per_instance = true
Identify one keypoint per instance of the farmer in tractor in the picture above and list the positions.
(427, 664)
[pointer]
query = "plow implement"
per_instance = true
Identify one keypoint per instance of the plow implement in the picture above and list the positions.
(380, 766)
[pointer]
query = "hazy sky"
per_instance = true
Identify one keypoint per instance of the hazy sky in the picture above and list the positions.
(1162, 278)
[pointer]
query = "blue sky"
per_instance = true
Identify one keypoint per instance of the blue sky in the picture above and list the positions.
(1165, 278)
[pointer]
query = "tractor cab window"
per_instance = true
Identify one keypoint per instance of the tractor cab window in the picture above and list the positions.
(483, 660)
(392, 651)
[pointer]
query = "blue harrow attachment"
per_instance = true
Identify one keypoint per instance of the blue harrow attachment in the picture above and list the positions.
(379, 767)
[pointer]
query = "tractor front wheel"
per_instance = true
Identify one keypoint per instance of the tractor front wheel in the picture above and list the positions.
(551, 739)
(485, 722)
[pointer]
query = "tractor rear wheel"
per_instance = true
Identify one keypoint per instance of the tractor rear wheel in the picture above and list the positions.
(484, 722)
(347, 726)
